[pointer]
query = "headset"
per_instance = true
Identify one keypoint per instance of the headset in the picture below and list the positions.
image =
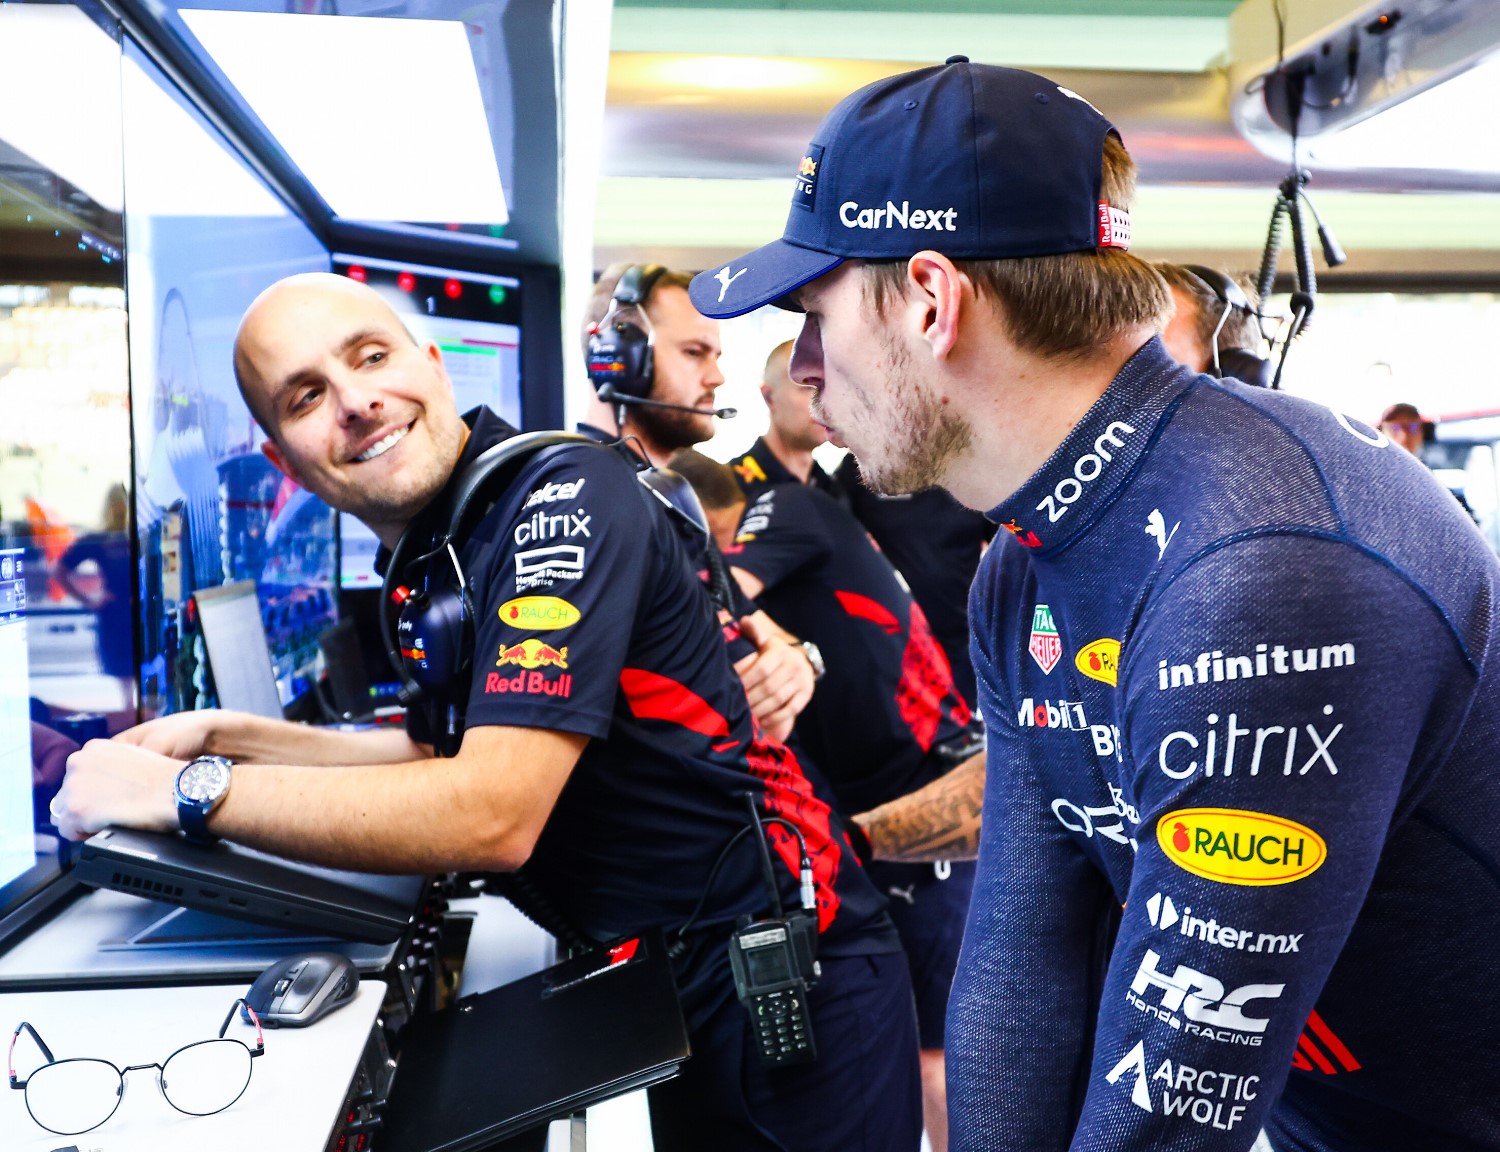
(621, 345)
(429, 629)
(1240, 363)
(621, 356)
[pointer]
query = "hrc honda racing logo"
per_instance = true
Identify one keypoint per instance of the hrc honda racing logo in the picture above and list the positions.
(1197, 1004)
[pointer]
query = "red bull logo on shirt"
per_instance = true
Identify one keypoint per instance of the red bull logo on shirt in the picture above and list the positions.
(533, 653)
(1231, 846)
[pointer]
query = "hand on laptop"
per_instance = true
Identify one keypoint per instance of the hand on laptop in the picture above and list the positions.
(110, 782)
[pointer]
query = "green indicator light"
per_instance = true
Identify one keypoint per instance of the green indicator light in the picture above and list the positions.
(497, 294)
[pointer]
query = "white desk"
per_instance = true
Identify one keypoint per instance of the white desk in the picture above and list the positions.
(290, 1105)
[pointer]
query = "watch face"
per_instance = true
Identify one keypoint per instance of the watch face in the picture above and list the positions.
(204, 780)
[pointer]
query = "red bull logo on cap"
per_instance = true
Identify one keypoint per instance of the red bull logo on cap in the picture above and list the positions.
(533, 654)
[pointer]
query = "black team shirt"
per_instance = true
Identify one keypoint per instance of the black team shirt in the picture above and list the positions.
(935, 543)
(888, 697)
(591, 620)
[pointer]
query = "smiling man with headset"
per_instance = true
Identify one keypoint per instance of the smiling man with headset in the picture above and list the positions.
(577, 716)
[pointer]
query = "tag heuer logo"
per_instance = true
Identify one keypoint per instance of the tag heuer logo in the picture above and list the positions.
(1046, 645)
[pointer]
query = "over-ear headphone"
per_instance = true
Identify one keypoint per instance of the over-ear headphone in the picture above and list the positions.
(620, 345)
(1240, 363)
(428, 625)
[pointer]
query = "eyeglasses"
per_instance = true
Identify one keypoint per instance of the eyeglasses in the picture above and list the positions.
(72, 1096)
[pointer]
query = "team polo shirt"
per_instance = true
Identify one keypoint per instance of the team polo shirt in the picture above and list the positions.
(935, 543)
(590, 620)
(888, 696)
(1239, 662)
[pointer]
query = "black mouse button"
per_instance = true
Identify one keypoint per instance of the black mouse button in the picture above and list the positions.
(306, 981)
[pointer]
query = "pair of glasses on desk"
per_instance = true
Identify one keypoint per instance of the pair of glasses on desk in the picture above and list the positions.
(78, 1095)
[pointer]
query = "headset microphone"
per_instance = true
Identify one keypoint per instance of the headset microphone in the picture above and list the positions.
(610, 395)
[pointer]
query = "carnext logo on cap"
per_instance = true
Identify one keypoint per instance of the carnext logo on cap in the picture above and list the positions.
(851, 215)
(805, 192)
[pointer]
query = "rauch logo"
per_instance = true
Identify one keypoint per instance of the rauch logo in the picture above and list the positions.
(1231, 846)
(1100, 661)
(539, 613)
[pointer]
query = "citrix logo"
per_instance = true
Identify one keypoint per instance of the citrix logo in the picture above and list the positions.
(1211, 1011)
(1164, 915)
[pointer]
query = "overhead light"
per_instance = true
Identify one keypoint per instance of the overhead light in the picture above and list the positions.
(737, 72)
(1368, 85)
(385, 117)
(60, 96)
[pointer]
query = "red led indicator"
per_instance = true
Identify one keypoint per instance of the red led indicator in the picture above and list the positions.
(406, 282)
(452, 289)
(357, 272)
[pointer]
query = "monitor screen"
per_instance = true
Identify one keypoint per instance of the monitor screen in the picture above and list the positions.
(32, 755)
(232, 620)
(474, 319)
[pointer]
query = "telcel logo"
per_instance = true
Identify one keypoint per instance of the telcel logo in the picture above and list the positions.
(1100, 661)
(539, 613)
(1231, 846)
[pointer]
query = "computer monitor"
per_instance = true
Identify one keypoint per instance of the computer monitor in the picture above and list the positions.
(239, 659)
(32, 759)
(475, 320)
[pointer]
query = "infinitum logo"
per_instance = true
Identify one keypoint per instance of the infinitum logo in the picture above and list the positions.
(1164, 916)
(1267, 660)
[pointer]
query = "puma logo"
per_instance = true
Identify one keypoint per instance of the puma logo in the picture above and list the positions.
(725, 279)
(908, 893)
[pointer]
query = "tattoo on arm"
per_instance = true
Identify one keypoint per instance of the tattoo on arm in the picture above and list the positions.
(938, 822)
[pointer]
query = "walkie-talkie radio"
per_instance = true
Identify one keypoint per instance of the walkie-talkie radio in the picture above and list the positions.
(772, 962)
(775, 961)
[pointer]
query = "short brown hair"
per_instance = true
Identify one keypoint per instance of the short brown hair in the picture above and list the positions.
(609, 280)
(1059, 306)
(715, 483)
(1241, 329)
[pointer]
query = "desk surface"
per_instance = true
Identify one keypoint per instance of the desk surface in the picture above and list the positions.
(290, 1105)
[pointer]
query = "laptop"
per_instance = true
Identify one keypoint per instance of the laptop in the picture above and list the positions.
(594, 1027)
(238, 656)
(241, 883)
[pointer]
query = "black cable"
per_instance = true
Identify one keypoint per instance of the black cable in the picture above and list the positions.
(805, 866)
(768, 874)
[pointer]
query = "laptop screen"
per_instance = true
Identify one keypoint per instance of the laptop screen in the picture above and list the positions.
(239, 658)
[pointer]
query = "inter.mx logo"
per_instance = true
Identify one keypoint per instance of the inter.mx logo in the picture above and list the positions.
(1207, 1008)
(1202, 1095)
(1165, 916)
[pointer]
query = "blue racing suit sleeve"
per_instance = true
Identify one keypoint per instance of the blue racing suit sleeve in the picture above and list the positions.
(1275, 730)
(1023, 1000)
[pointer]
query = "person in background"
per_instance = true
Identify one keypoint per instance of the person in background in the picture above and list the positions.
(1215, 325)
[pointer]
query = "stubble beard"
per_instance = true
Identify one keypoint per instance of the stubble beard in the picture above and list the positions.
(926, 434)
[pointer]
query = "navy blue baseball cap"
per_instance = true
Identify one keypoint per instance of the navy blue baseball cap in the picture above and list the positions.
(971, 160)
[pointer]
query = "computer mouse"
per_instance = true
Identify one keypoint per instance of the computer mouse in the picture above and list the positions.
(297, 990)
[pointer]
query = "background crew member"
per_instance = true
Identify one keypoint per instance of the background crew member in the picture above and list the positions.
(610, 753)
(1237, 658)
(678, 413)
(1404, 424)
(1214, 326)
(886, 719)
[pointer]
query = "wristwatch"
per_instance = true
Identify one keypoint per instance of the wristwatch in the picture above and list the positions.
(815, 658)
(200, 788)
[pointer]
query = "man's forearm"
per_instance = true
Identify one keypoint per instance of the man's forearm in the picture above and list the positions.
(255, 739)
(938, 822)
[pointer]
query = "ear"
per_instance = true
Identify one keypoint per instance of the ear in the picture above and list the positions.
(766, 392)
(434, 355)
(281, 463)
(937, 296)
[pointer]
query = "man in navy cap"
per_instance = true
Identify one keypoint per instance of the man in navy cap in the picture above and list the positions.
(1237, 657)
